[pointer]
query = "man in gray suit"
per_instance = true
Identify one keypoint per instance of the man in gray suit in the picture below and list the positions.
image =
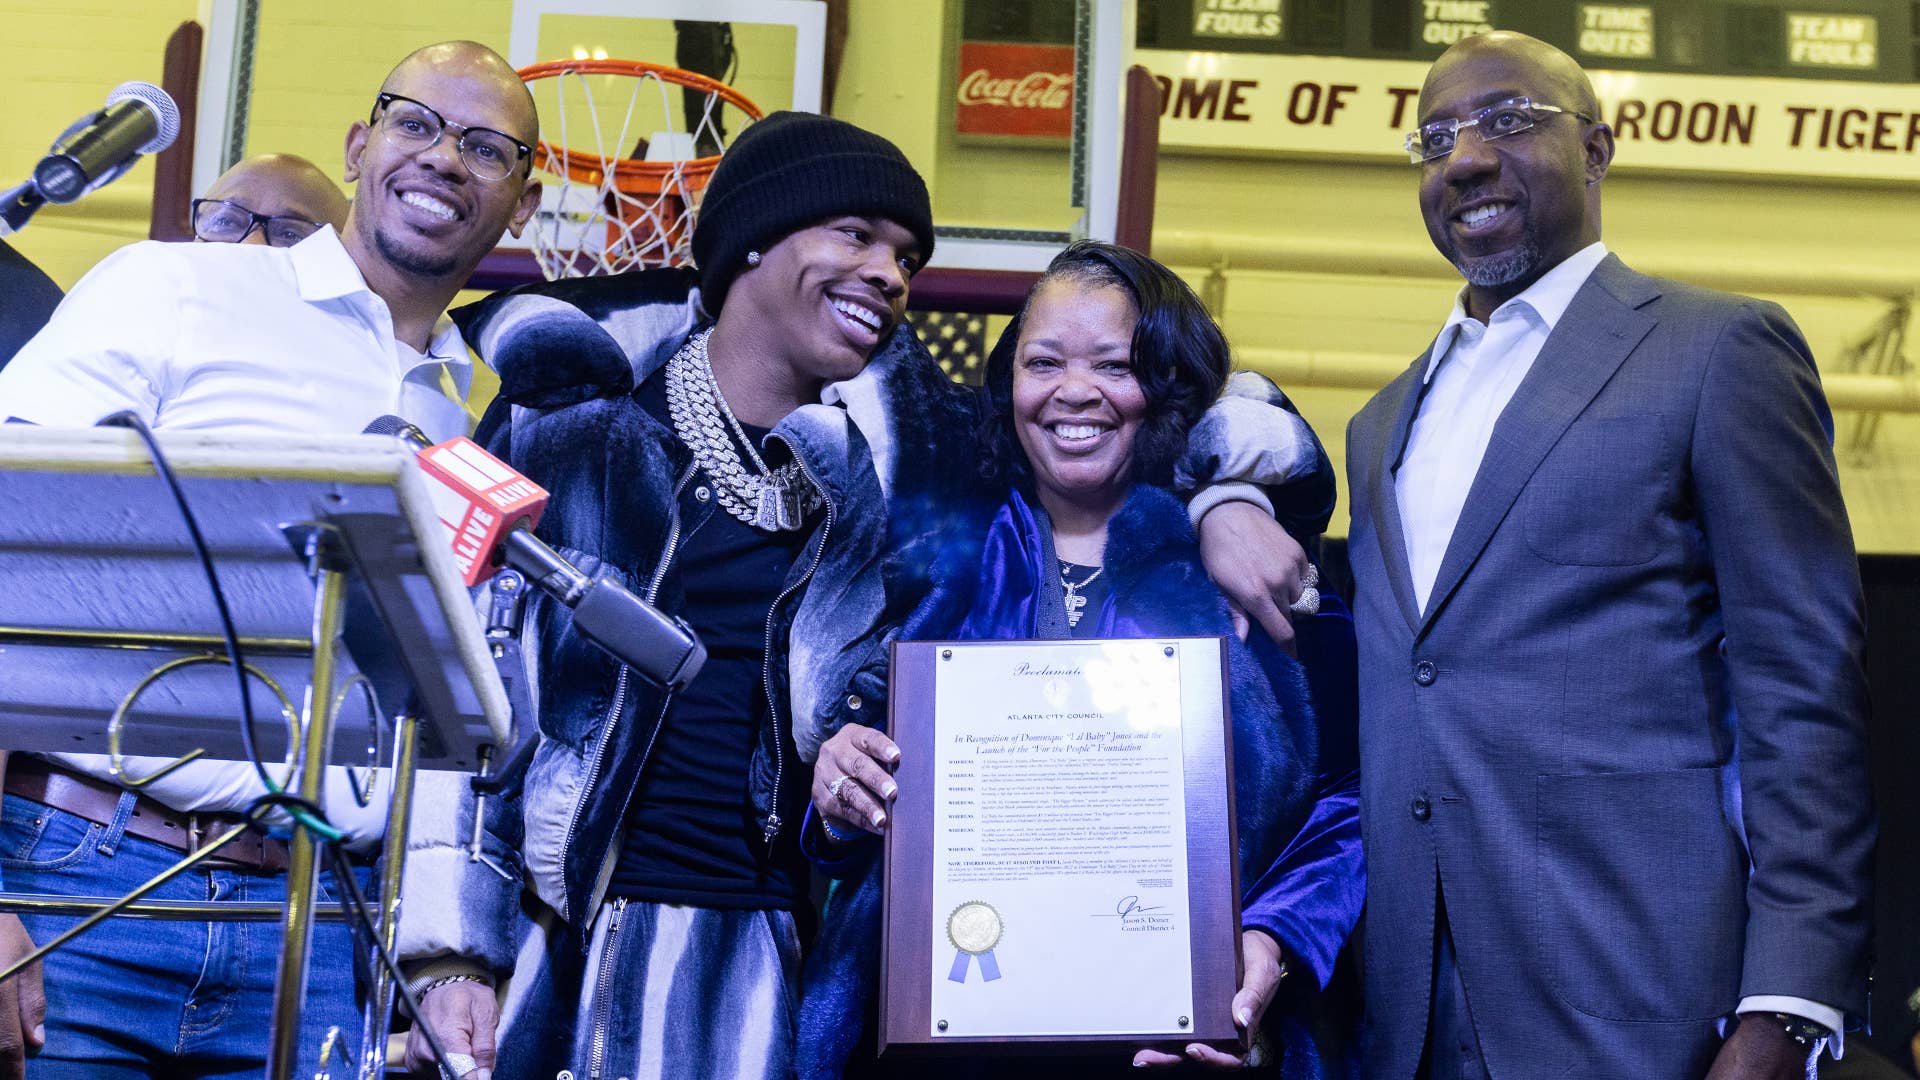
(1612, 708)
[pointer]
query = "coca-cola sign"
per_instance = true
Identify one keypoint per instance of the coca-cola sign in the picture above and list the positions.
(1009, 89)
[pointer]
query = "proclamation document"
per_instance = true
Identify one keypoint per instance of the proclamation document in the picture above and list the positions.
(1060, 880)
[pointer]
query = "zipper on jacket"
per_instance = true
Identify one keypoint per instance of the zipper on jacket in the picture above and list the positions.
(620, 690)
(766, 662)
(603, 1008)
(673, 535)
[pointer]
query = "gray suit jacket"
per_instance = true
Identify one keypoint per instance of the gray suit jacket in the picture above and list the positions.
(1654, 544)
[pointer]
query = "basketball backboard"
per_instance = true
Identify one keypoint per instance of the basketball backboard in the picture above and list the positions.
(1011, 109)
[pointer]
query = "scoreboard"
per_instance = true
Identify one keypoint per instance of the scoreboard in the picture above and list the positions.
(1815, 88)
(1874, 40)
(1820, 39)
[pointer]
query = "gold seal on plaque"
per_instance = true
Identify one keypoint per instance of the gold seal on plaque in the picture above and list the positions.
(974, 927)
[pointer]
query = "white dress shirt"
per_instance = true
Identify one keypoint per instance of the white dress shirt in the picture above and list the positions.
(245, 339)
(1471, 375)
(234, 338)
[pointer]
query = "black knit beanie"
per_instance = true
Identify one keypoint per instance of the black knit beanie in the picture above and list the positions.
(790, 170)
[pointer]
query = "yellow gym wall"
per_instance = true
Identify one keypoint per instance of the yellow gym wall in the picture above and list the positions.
(61, 60)
(317, 67)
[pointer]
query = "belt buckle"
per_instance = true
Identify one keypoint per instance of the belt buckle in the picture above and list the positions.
(193, 833)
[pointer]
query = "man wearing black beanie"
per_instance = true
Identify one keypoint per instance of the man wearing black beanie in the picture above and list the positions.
(762, 455)
(792, 170)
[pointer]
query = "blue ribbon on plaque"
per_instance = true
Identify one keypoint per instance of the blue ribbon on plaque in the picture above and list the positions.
(974, 928)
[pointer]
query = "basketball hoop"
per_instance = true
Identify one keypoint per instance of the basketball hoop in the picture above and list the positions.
(612, 212)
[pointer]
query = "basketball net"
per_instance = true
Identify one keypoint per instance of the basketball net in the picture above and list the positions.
(610, 211)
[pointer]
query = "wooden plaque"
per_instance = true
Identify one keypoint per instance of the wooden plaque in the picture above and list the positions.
(1115, 732)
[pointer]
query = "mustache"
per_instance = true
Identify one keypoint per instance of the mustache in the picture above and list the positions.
(1463, 196)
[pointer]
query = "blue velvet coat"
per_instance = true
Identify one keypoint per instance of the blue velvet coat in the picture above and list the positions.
(1299, 848)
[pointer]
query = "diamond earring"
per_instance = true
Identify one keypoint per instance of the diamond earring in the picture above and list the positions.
(753, 258)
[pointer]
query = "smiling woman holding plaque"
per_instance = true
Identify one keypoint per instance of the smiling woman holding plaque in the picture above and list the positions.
(1092, 391)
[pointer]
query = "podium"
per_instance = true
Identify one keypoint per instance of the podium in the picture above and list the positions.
(362, 646)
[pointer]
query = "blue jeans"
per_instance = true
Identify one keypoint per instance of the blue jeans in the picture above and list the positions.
(131, 998)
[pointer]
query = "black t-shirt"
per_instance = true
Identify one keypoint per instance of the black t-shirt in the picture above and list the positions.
(1092, 585)
(691, 832)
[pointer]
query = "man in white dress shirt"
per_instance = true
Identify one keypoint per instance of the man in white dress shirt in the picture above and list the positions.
(323, 336)
(1614, 797)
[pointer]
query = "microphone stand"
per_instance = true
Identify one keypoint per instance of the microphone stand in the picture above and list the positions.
(18, 205)
(661, 649)
(505, 611)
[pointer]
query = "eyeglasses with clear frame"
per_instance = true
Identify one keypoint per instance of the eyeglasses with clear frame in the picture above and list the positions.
(1510, 117)
(414, 126)
(220, 221)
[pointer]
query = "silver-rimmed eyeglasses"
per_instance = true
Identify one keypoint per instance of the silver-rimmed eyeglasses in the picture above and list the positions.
(413, 126)
(221, 221)
(1497, 121)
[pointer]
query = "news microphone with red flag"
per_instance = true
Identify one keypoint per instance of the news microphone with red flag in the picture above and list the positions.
(490, 509)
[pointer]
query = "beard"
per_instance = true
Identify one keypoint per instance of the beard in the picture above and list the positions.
(426, 264)
(1501, 269)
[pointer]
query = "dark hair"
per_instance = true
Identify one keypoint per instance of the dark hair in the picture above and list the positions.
(1179, 356)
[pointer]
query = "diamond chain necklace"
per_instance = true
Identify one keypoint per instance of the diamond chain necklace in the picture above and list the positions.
(773, 500)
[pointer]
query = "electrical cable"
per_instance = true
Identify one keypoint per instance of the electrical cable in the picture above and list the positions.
(249, 728)
(361, 923)
(355, 904)
(305, 813)
(249, 740)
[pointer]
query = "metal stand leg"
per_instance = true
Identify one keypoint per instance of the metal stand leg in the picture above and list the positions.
(151, 910)
(101, 912)
(290, 983)
(379, 1012)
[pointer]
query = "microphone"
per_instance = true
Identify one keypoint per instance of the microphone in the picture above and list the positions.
(489, 510)
(139, 118)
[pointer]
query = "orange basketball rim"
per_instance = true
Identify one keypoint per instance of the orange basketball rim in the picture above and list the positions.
(647, 206)
(631, 175)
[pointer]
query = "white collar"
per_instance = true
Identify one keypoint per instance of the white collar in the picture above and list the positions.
(448, 348)
(1548, 298)
(323, 270)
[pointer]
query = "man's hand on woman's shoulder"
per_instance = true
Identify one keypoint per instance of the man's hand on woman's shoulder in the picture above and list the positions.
(1257, 565)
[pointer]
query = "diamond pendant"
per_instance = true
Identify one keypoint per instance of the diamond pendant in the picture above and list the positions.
(1074, 603)
(778, 508)
(766, 514)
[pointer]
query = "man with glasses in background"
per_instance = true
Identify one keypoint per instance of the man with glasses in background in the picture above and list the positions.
(272, 199)
(1612, 708)
(323, 336)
